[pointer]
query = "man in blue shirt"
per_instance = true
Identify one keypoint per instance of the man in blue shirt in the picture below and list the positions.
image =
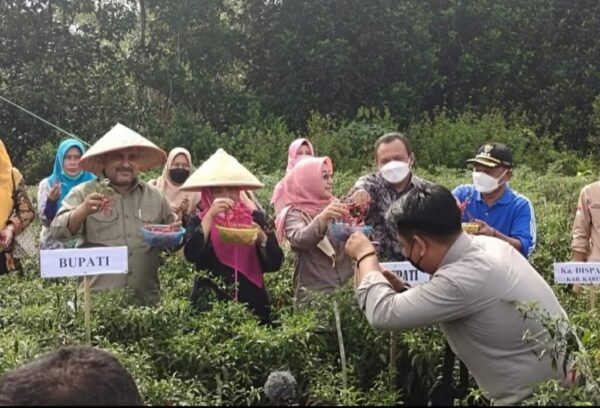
(490, 202)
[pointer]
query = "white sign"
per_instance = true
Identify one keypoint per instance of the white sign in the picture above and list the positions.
(83, 261)
(577, 272)
(407, 272)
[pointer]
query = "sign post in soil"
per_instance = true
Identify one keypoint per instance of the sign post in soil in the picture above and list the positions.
(84, 262)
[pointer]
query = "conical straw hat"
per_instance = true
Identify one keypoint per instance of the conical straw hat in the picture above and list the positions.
(118, 138)
(222, 170)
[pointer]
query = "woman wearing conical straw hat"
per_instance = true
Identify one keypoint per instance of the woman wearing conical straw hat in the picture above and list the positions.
(229, 238)
(112, 211)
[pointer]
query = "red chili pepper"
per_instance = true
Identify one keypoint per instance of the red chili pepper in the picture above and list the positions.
(239, 216)
(356, 213)
(104, 207)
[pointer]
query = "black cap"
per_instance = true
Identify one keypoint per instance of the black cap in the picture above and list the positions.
(493, 155)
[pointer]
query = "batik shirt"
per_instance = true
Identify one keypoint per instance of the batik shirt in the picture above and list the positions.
(383, 195)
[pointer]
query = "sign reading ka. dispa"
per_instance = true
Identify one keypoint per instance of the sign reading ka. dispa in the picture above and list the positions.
(577, 272)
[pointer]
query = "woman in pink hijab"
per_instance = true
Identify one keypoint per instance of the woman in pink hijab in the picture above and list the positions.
(321, 263)
(299, 149)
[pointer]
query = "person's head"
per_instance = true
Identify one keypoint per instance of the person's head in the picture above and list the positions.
(304, 149)
(394, 157)
(427, 221)
(492, 167)
(308, 188)
(281, 388)
(233, 193)
(66, 170)
(179, 164)
(299, 150)
(121, 166)
(75, 375)
(316, 174)
(69, 153)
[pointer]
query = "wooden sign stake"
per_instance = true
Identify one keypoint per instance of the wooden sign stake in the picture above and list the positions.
(393, 358)
(338, 326)
(87, 309)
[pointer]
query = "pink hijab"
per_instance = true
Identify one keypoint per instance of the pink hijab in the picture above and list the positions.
(292, 161)
(293, 152)
(170, 190)
(242, 258)
(303, 188)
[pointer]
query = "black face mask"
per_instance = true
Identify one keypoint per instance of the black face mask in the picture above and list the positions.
(415, 264)
(179, 176)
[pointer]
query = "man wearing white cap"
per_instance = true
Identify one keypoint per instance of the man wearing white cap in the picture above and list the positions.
(112, 211)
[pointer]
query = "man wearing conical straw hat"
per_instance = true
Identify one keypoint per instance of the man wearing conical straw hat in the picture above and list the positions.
(111, 211)
(230, 237)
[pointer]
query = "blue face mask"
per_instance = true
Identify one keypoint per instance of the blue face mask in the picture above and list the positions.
(415, 264)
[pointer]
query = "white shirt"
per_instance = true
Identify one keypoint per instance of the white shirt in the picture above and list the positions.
(473, 295)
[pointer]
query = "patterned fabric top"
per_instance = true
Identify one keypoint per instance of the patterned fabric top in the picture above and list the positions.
(23, 213)
(46, 240)
(383, 194)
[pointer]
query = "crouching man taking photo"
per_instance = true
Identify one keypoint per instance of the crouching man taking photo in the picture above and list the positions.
(477, 283)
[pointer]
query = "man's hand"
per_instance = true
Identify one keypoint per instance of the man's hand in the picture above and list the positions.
(484, 229)
(358, 245)
(54, 193)
(360, 198)
(92, 204)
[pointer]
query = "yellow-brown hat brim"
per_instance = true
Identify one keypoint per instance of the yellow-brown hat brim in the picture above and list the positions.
(120, 137)
(221, 170)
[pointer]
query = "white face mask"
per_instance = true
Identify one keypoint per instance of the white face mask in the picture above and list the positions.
(484, 183)
(395, 171)
(302, 157)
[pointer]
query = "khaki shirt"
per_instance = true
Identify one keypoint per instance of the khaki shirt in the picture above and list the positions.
(473, 296)
(586, 227)
(121, 226)
(318, 265)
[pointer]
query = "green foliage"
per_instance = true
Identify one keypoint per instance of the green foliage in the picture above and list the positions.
(447, 141)
(39, 163)
(209, 73)
(223, 356)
